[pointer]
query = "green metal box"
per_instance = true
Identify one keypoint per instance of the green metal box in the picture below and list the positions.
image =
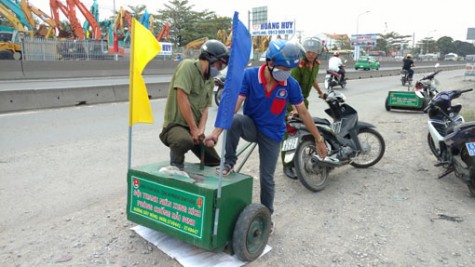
(184, 207)
(404, 99)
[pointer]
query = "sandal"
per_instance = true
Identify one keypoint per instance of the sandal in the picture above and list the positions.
(227, 169)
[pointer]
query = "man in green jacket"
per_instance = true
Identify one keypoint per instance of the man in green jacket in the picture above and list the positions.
(306, 75)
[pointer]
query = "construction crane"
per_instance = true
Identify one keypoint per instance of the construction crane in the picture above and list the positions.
(96, 30)
(123, 17)
(74, 24)
(42, 31)
(16, 10)
(94, 11)
(164, 32)
(10, 37)
(195, 44)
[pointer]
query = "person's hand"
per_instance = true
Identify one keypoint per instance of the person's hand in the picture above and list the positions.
(292, 114)
(210, 141)
(321, 149)
(197, 135)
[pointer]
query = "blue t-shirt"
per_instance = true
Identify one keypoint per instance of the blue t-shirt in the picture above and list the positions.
(267, 109)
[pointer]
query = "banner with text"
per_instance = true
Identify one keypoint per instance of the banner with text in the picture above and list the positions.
(166, 49)
(274, 28)
(177, 209)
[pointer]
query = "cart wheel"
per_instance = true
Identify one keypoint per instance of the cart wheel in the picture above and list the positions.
(251, 232)
(388, 108)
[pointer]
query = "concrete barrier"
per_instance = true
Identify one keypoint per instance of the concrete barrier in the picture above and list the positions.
(30, 99)
(469, 74)
(20, 100)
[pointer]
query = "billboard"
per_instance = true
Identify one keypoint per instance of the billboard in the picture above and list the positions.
(274, 28)
(471, 34)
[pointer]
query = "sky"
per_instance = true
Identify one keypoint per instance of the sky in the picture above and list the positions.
(419, 19)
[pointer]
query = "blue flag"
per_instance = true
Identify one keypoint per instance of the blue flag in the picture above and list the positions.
(241, 44)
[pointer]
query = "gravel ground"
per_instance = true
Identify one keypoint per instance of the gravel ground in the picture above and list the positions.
(396, 213)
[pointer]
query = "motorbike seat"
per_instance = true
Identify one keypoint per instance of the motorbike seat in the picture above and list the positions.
(463, 126)
(334, 73)
(321, 121)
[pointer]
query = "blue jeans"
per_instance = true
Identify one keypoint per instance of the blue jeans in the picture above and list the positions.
(243, 126)
(410, 73)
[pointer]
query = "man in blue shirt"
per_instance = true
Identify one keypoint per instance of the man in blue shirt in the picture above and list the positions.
(265, 92)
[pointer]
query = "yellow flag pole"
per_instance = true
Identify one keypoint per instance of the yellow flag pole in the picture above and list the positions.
(131, 83)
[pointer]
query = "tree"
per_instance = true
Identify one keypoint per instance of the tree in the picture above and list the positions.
(445, 45)
(137, 11)
(464, 48)
(187, 25)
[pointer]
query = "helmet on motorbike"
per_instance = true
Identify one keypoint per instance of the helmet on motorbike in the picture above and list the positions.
(336, 54)
(409, 56)
(214, 50)
(312, 44)
(442, 100)
(284, 53)
(335, 96)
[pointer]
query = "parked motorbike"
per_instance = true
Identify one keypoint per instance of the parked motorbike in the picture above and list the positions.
(450, 138)
(332, 79)
(348, 140)
(219, 86)
(427, 87)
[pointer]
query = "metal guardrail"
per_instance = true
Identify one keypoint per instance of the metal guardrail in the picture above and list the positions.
(54, 50)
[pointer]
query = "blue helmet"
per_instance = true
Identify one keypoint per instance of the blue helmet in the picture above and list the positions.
(284, 53)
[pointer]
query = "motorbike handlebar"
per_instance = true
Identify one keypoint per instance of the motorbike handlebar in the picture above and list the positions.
(466, 90)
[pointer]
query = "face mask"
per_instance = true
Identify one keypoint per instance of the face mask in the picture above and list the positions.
(279, 75)
(213, 71)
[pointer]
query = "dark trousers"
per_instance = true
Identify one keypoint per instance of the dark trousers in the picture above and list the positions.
(243, 126)
(179, 140)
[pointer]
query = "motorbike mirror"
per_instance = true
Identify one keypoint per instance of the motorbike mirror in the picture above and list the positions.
(437, 65)
(419, 93)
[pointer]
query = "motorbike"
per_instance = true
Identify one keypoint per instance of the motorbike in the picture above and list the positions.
(426, 88)
(219, 86)
(450, 138)
(348, 141)
(332, 79)
(405, 79)
(428, 85)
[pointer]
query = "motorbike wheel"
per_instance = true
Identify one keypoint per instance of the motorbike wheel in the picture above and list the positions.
(314, 178)
(373, 147)
(217, 95)
(470, 161)
(343, 84)
(403, 81)
(432, 147)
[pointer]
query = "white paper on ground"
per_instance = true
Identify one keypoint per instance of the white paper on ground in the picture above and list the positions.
(187, 254)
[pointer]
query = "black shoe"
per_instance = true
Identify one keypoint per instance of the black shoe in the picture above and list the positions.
(289, 172)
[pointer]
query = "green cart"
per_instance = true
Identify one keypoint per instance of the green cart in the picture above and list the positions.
(404, 100)
(201, 209)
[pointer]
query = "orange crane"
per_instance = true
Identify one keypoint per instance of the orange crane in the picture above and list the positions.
(70, 13)
(164, 32)
(96, 30)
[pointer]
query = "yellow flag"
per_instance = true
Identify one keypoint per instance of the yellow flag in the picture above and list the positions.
(144, 48)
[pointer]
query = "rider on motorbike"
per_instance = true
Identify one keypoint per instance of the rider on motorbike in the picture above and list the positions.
(335, 64)
(408, 63)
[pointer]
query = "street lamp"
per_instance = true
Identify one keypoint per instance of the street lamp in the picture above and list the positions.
(358, 20)
(427, 39)
(357, 46)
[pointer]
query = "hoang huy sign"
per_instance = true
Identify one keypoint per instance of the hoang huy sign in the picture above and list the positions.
(274, 28)
(168, 206)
